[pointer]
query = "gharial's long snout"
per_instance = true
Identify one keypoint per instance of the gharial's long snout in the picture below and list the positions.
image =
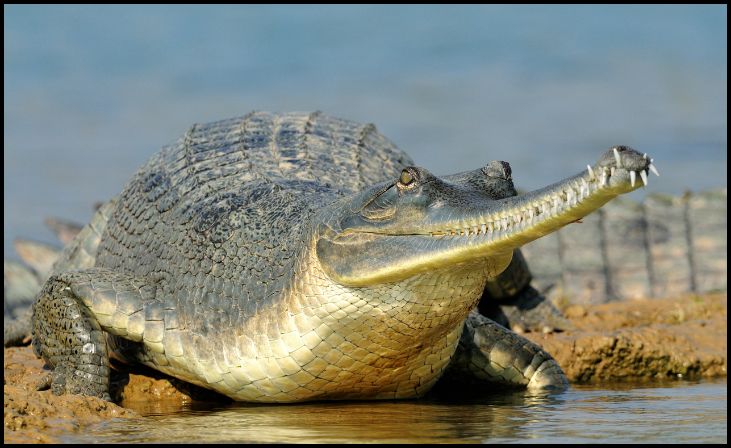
(455, 234)
(524, 218)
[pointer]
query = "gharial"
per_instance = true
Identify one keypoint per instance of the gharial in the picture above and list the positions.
(293, 257)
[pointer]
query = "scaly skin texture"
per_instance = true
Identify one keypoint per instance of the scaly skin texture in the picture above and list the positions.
(273, 258)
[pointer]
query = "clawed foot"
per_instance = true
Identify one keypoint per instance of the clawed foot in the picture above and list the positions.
(66, 380)
(44, 383)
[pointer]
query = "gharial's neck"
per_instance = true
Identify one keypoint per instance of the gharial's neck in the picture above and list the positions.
(375, 340)
(427, 303)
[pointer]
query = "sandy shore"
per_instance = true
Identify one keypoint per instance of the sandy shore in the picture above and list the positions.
(649, 339)
(683, 337)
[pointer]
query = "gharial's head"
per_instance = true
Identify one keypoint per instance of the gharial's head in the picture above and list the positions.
(421, 222)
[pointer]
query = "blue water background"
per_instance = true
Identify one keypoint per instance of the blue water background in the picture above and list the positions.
(92, 91)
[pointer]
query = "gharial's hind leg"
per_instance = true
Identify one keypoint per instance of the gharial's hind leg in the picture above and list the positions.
(70, 318)
(489, 353)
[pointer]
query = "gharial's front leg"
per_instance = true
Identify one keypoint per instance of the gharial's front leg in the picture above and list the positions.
(489, 353)
(71, 317)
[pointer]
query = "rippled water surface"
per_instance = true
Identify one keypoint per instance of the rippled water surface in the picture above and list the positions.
(675, 412)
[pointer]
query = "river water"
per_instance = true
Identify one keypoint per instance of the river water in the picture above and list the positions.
(668, 412)
(91, 92)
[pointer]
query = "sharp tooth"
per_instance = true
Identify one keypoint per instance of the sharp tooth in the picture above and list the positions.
(612, 171)
(616, 157)
(644, 156)
(632, 177)
(584, 187)
(490, 227)
(643, 175)
(653, 169)
(475, 230)
(591, 172)
(603, 179)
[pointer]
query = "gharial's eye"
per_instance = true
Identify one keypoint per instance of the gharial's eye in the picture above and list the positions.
(406, 178)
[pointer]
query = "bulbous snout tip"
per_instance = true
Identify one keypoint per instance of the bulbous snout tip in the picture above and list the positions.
(626, 160)
(622, 156)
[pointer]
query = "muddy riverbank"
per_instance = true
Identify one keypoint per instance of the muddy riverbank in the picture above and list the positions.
(645, 339)
(683, 337)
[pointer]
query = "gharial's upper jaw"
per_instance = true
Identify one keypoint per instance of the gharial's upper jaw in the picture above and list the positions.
(619, 170)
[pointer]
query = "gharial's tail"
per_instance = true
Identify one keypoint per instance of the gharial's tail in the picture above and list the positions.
(661, 247)
(23, 281)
